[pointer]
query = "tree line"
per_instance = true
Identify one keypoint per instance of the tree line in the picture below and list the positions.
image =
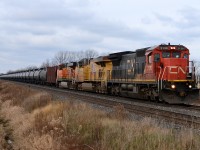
(63, 57)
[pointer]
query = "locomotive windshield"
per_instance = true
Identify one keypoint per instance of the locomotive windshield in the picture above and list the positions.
(176, 54)
(166, 54)
(173, 55)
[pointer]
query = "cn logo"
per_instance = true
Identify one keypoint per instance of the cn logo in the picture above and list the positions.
(176, 70)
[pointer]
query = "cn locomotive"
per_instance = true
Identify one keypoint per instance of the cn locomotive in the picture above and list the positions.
(159, 73)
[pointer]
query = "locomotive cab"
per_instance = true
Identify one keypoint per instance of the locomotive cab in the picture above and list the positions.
(174, 73)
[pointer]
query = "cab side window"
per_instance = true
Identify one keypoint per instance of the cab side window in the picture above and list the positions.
(185, 56)
(149, 59)
(157, 57)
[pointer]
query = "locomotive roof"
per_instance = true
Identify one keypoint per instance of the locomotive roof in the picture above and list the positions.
(101, 59)
(84, 59)
(162, 47)
(153, 47)
(72, 64)
(141, 52)
(119, 54)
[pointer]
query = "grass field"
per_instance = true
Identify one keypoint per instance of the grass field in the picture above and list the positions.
(36, 121)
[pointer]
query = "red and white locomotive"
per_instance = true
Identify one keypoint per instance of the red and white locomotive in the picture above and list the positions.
(174, 72)
(162, 72)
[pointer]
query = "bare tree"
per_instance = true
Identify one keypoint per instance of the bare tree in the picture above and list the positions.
(73, 56)
(60, 58)
(197, 72)
(90, 53)
(10, 71)
(64, 57)
(79, 55)
(197, 67)
(46, 64)
(30, 68)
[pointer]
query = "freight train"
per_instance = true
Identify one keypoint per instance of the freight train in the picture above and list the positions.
(159, 73)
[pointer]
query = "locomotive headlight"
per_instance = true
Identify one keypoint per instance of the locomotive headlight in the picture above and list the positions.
(173, 86)
(190, 86)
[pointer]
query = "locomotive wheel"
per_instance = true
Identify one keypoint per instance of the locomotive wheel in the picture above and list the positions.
(79, 87)
(112, 91)
(97, 87)
(69, 85)
(115, 91)
(58, 84)
(152, 97)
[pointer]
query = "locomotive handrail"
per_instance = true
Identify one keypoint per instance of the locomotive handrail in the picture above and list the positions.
(159, 78)
(193, 71)
(163, 76)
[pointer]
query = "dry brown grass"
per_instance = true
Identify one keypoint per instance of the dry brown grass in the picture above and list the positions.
(2, 135)
(38, 123)
(14, 92)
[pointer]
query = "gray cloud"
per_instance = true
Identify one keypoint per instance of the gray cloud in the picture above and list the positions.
(31, 31)
(166, 20)
(63, 16)
(190, 17)
(185, 26)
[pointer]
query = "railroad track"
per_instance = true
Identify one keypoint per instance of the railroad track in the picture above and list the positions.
(177, 115)
(170, 116)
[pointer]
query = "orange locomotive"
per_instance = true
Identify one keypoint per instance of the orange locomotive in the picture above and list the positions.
(87, 74)
(66, 73)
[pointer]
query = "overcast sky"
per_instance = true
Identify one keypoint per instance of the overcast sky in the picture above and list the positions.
(33, 30)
